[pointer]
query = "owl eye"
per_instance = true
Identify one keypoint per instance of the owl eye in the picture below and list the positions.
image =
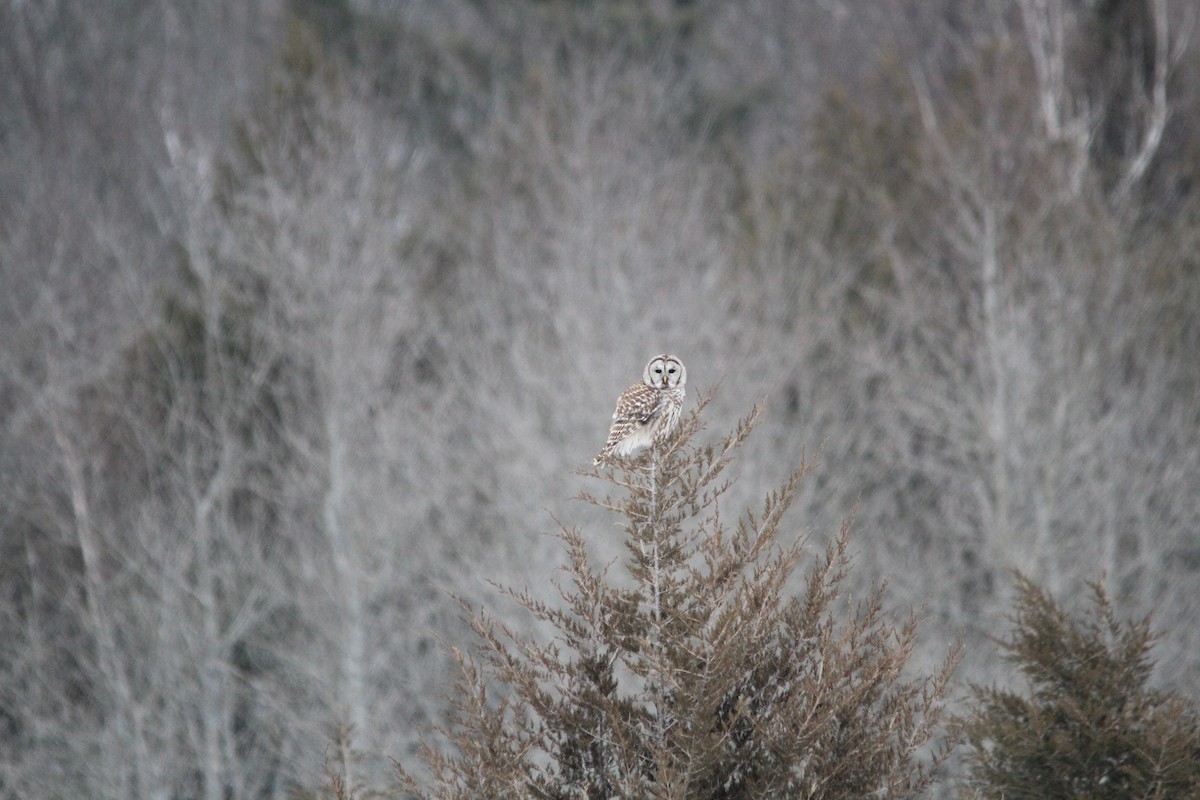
(658, 370)
(671, 370)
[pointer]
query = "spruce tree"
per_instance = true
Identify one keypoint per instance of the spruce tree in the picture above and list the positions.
(1089, 725)
(701, 675)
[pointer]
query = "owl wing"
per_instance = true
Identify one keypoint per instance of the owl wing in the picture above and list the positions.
(636, 407)
(638, 403)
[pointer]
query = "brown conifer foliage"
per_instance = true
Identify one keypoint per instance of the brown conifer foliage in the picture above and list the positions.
(701, 675)
(1090, 725)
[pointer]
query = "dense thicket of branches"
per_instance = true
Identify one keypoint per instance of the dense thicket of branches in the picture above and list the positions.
(311, 306)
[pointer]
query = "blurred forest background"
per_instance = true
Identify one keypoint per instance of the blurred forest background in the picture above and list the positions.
(311, 309)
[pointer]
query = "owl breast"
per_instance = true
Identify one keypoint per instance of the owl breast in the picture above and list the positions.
(668, 417)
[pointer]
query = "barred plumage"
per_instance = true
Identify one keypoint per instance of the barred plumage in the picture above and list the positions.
(647, 412)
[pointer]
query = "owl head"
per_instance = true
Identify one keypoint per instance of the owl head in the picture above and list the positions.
(664, 372)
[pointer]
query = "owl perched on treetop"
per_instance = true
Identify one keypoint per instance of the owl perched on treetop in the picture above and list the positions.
(646, 412)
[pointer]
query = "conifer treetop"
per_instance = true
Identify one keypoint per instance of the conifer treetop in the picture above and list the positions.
(698, 674)
(1088, 724)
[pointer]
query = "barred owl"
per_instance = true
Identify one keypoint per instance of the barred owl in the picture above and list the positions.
(646, 412)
